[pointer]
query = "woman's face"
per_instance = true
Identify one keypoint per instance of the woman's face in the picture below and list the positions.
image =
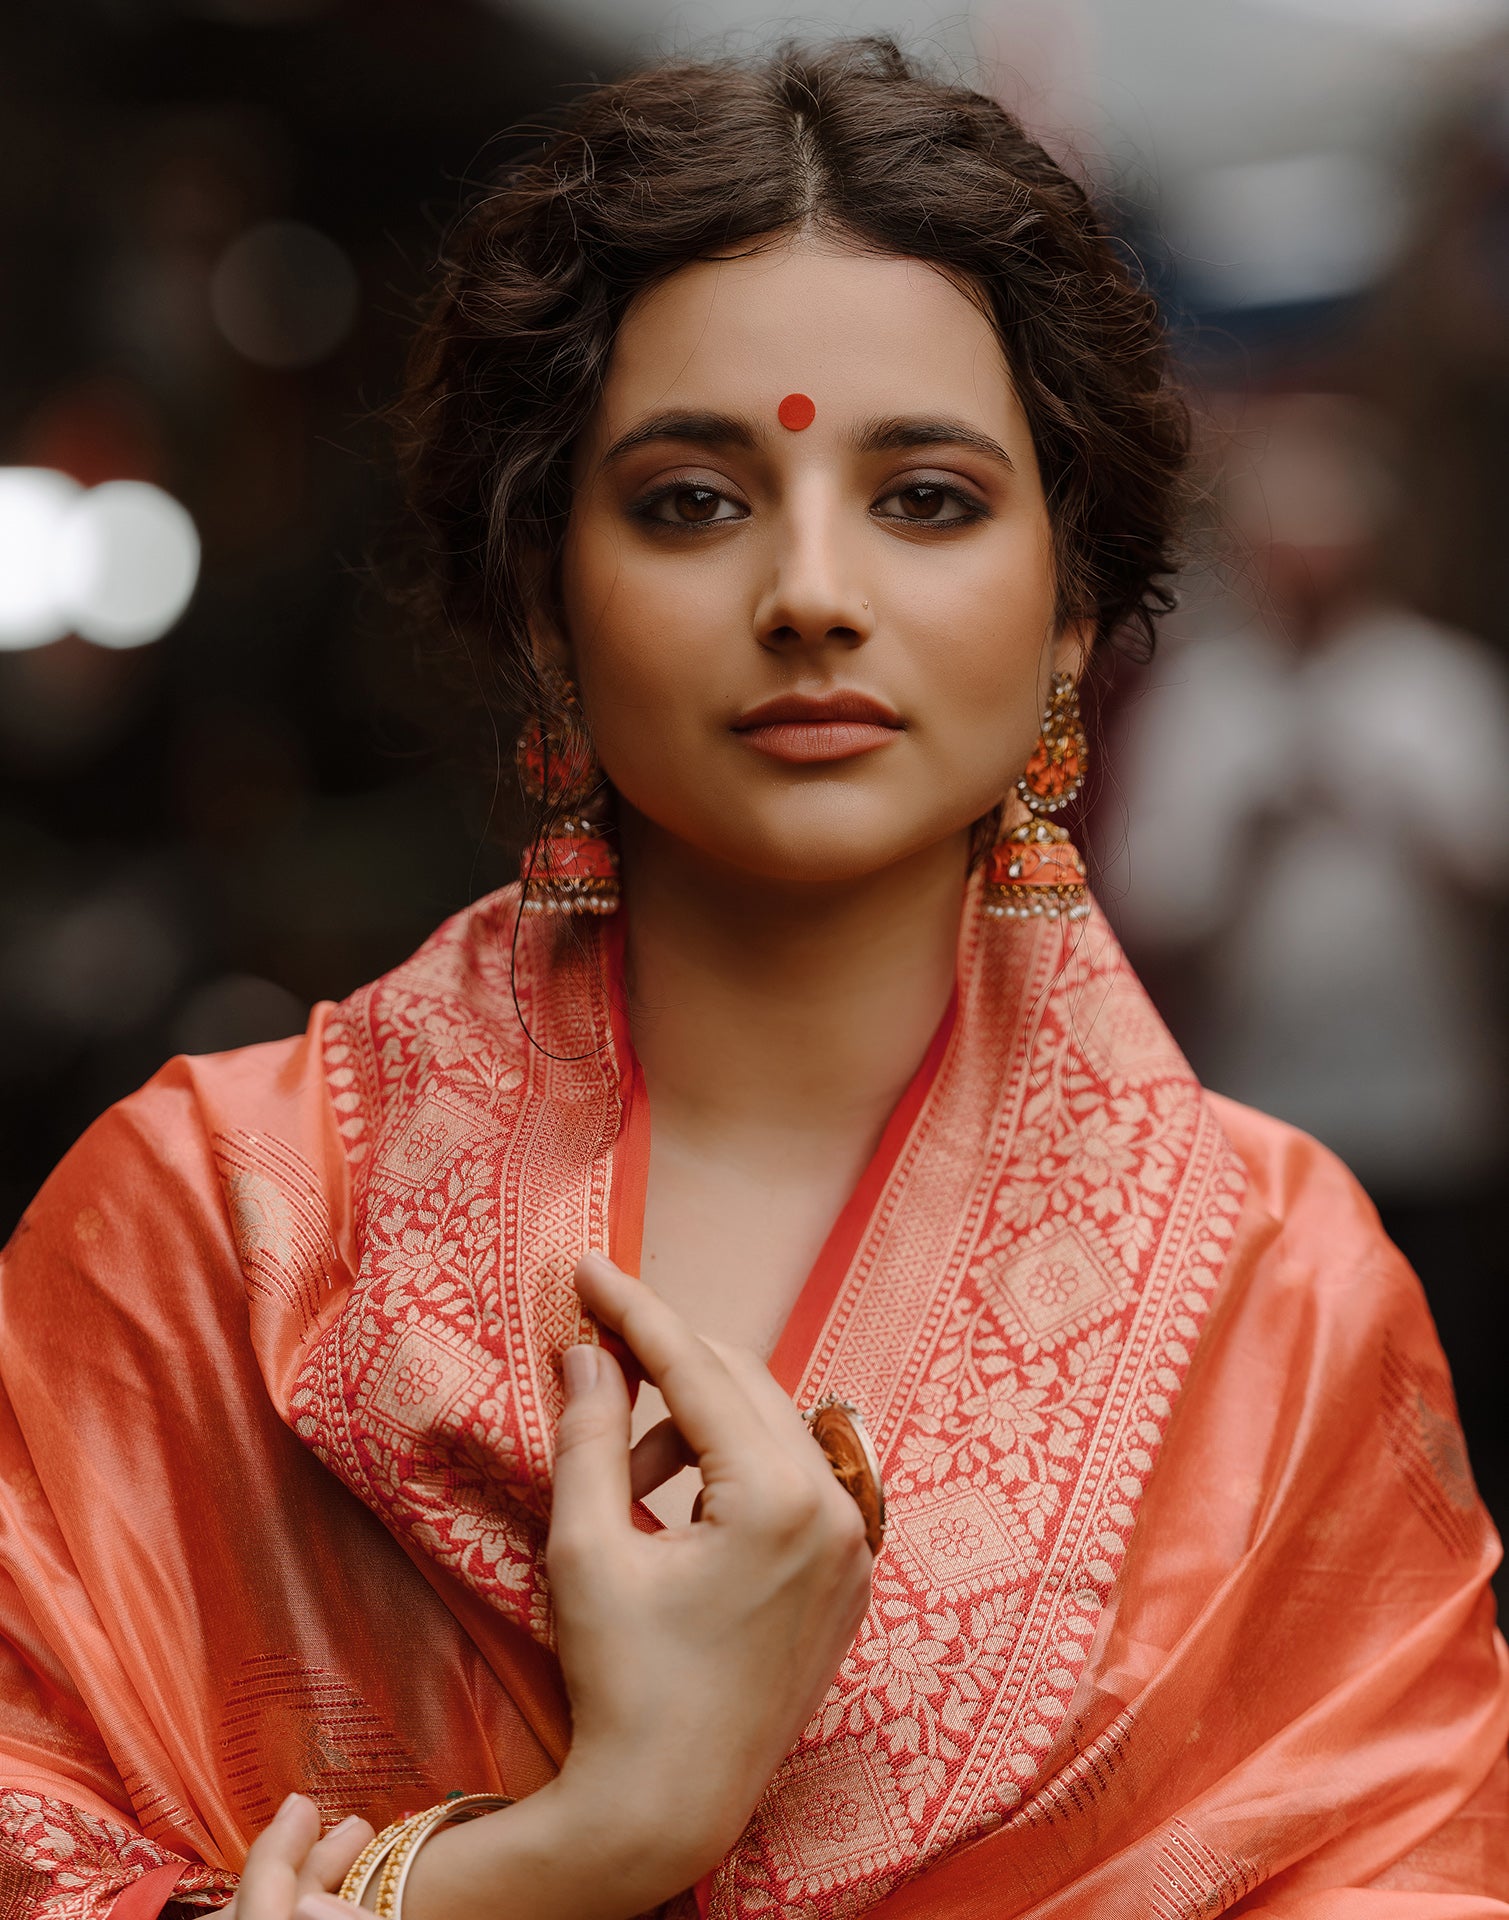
(810, 652)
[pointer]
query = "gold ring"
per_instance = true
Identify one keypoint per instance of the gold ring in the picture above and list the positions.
(839, 1429)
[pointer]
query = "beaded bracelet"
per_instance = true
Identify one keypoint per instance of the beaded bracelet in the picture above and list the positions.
(391, 1853)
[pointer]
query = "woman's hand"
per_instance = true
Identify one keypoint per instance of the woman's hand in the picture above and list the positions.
(693, 1656)
(288, 1862)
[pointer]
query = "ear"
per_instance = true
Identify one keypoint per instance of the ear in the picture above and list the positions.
(548, 645)
(1071, 647)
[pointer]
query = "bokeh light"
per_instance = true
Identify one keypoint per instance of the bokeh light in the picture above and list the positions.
(116, 564)
(34, 504)
(284, 295)
(1310, 226)
(127, 560)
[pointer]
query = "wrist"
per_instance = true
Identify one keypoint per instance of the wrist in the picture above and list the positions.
(644, 1823)
(575, 1850)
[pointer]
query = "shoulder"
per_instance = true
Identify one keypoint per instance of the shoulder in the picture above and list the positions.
(136, 1215)
(232, 1174)
(1322, 1291)
(1326, 1295)
(1314, 1198)
(1322, 1245)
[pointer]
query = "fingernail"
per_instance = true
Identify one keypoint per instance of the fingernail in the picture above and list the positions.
(579, 1365)
(342, 1826)
(290, 1801)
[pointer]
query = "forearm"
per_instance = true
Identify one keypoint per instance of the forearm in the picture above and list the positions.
(557, 1855)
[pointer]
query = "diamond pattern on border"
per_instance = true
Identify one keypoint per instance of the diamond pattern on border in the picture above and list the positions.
(1016, 1326)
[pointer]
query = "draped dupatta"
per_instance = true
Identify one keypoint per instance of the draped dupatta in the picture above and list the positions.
(280, 1347)
(1012, 1298)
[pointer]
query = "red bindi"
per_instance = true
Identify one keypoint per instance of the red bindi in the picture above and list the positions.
(796, 411)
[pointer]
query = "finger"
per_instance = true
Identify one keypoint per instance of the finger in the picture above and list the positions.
(657, 1456)
(321, 1906)
(712, 1411)
(789, 1430)
(330, 1858)
(270, 1878)
(592, 1447)
(770, 1400)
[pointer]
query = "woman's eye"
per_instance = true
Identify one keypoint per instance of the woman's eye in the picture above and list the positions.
(690, 506)
(925, 503)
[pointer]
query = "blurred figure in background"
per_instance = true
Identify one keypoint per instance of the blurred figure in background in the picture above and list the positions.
(1318, 813)
(1317, 788)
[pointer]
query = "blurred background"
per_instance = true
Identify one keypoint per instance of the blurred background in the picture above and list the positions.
(227, 788)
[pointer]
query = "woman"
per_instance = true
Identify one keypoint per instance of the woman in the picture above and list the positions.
(792, 437)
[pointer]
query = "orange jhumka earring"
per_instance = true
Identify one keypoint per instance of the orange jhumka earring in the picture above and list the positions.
(571, 866)
(1036, 868)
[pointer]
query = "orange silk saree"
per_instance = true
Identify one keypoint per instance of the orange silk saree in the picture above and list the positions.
(1183, 1609)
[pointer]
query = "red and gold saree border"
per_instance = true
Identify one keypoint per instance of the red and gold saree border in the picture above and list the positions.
(1016, 1323)
(1012, 1297)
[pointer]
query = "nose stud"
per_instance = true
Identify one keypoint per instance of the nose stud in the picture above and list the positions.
(795, 412)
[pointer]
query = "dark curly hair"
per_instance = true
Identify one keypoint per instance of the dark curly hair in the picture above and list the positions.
(681, 161)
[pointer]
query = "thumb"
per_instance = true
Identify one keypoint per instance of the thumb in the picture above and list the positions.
(591, 1450)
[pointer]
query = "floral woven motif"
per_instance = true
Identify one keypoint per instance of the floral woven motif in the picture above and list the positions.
(483, 1151)
(1015, 1325)
(58, 1862)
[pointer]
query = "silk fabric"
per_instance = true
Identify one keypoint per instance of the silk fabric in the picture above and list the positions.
(1184, 1605)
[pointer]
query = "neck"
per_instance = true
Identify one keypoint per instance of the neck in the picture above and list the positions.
(758, 1006)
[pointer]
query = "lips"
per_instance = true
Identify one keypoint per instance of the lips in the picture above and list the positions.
(806, 729)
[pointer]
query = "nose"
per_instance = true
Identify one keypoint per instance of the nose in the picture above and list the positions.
(814, 598)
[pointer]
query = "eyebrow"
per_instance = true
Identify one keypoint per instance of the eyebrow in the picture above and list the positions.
(905, 432)
(902, 433)
(693, 428)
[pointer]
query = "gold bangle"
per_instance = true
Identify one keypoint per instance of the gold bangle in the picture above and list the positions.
(412, 1836)
(371, 1857)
